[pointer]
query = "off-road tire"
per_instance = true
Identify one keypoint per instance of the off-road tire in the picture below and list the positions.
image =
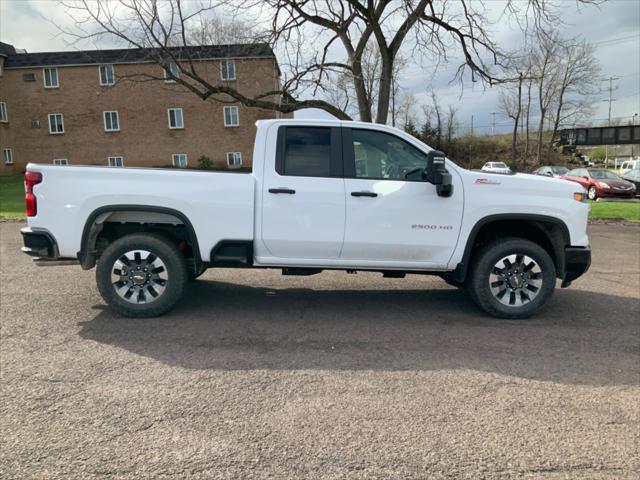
(163, 249)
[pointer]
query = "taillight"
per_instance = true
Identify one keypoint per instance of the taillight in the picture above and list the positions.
(31, 179)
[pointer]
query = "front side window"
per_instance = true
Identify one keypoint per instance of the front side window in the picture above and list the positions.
(7, 154)
(56, 123)
(4, 117)
(305, 152)
(171, 71)
(179, 160)
(176, 119)
(234, 159)
(111, 122)
(231, 118)
(115, 161)
(60, 161)
(382, 156)
(228, 69)
(106, 74)
(50, 76)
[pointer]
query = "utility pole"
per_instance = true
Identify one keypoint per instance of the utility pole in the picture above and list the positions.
(472, 125)
(606, 147)
(493, 123)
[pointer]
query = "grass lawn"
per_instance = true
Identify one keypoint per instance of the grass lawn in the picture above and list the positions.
(12, 196)
(12, 203)
(626, 210)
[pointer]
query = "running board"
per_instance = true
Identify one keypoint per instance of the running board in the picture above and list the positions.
(300, 271)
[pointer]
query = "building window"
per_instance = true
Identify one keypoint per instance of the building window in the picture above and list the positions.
(228, 69)
(115, 161)
(60, 161)
(172, 68)
(29, 77)
(7, 153)
(106, 74)
(176, 119)
(234, 159)
(111, 122)
(179, 160)
(4, 118)
(231, 118)
(50, 76)
(56, 123)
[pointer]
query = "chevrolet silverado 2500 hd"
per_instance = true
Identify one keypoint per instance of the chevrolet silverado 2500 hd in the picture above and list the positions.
(322, 195)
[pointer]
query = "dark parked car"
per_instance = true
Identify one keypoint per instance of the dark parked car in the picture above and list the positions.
(551, 171)
(599, 182)
(633, 176)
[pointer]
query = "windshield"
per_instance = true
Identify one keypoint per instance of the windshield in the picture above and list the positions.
(559, 170)
(604, 175)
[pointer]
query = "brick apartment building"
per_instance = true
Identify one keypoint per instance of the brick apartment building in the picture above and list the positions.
(82, 108)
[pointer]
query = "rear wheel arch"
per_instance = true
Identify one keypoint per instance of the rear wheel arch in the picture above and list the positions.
(93, 228)
(550, 233)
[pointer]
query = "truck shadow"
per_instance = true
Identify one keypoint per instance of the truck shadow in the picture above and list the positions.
(581, 338)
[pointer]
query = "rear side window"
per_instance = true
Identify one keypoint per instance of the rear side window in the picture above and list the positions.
(308, 151)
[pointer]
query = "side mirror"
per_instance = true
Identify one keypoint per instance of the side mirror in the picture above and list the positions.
(436, 173)
(549, 174)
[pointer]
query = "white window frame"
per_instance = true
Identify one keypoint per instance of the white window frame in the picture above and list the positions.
(115, 161)
(44, 77)
(167, 78)
(113, 74)
(234, 155)
(51, 132)
(178, 156)
(231, 108)
(4, 115)
(104, 119)
(60, 161)
(224, 69)
(7, 154)
(177, 127)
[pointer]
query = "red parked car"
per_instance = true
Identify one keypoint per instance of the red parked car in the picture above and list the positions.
(599, 182)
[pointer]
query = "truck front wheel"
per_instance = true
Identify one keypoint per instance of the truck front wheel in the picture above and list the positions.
(512, 278)
(141, 275)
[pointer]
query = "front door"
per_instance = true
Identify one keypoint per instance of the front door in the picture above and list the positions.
(394, 217)
(303, 200)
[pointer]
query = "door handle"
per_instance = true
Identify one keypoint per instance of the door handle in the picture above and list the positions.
(364, 194)
(282, 190)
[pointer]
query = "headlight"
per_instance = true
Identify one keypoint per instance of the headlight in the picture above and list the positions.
(604, 185)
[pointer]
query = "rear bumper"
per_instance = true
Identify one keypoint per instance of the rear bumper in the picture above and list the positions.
(39, 243)
(577, 261)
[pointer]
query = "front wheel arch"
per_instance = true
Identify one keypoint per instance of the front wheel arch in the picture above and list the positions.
(550, 233)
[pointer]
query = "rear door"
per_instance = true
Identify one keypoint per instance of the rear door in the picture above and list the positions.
(394, 217)
(303, 199)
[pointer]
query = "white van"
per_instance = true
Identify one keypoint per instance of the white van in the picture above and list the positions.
(630, 165)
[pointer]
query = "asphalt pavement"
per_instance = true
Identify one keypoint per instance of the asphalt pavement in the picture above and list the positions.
(256, 375)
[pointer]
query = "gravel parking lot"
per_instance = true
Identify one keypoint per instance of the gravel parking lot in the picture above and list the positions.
(257, 375)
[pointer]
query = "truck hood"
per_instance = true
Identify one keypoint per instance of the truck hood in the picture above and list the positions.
(525, 181)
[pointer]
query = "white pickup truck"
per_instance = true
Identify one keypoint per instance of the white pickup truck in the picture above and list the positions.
(322, 195)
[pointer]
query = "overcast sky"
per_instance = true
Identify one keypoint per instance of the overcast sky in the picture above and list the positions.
(613, 28)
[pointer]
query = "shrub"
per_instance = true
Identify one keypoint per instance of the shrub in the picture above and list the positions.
(205, 163)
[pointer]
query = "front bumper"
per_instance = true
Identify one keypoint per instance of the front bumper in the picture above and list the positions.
(39, 243)
(577, 261)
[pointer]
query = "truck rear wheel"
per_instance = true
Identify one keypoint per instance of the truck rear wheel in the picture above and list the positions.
(141, 275)
(512, 278)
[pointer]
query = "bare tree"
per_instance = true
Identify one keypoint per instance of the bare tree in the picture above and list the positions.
(510, 104)
(577, 76)
(315, 40)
